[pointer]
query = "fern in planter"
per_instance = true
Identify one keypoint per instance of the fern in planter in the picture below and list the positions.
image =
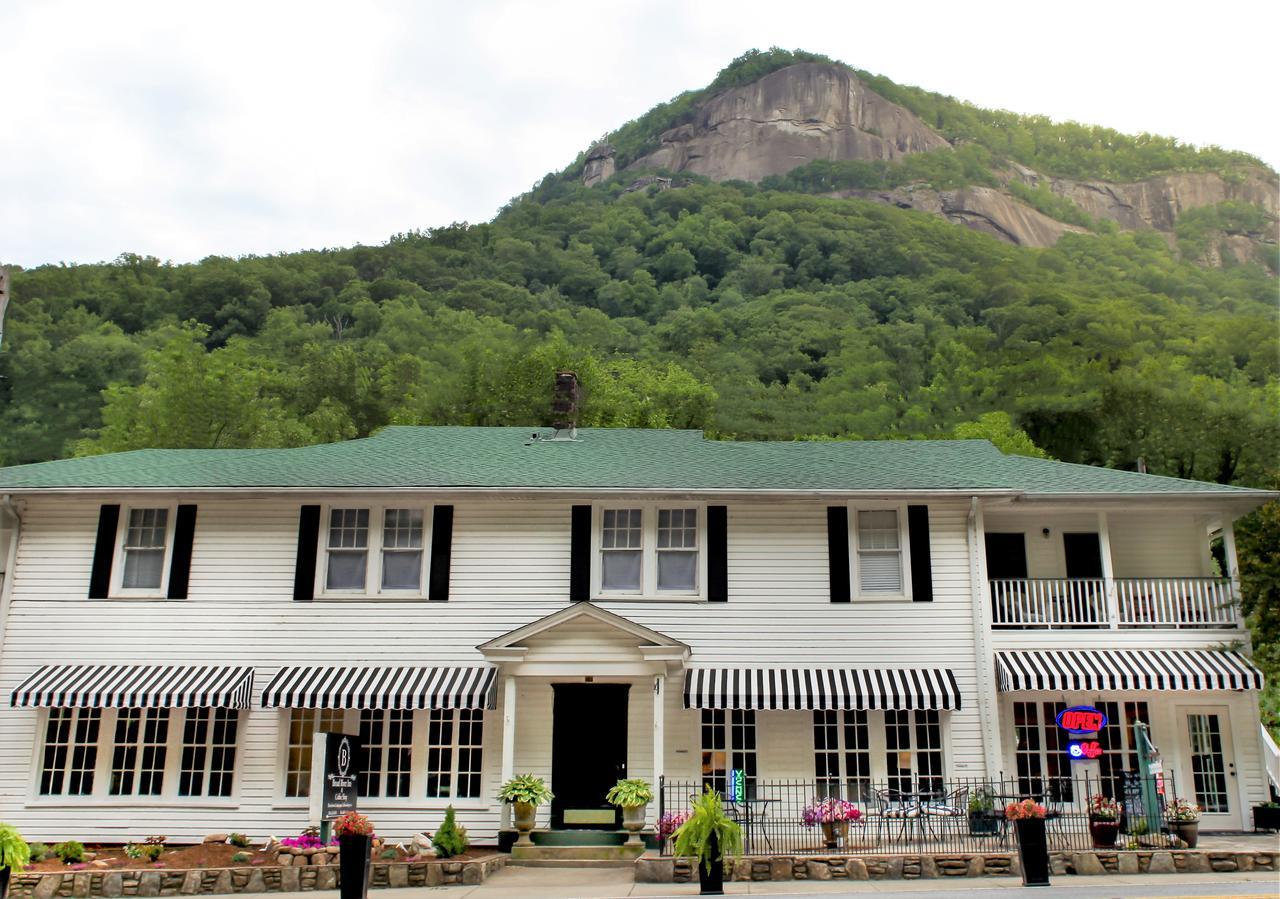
(14, 851)
(706, 818)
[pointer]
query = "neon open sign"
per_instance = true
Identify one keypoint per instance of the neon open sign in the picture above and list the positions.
(1082, 719)
(1084, 749)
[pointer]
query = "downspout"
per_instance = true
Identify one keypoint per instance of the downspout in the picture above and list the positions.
(988, 712)
(11, 560)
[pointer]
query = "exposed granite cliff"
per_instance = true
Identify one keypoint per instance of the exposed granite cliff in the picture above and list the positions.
(599, 164)
(786, 119)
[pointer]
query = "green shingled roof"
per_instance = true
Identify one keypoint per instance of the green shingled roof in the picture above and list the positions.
(601, 458)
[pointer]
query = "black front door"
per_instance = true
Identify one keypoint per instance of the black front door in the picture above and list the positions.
(588, 753)
(1084, 555)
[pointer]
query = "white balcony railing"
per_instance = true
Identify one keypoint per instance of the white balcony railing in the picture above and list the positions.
(1057, 603)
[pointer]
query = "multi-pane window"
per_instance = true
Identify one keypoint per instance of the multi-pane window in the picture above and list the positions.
(879, 548)
(678, 549)
(1119, 743)
(728, 741)
(1044, 771)
(70, 752)
(208, 752)
(304, 724)
(913, 750)
(139, 752)
(454, 755)
(402, 549)
(143, 549)
(348, 549)
(841, 757)
(621, 549)
(386, 747)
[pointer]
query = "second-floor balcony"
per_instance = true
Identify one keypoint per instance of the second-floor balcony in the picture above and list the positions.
(1068, 603)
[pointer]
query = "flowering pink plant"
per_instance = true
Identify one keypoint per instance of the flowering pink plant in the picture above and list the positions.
(1104, 808)
(829, 811)
(669, 824)
(1182, 810)
(1027, 808)
(305, 840)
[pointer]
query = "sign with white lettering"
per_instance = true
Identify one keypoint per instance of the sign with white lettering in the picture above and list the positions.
(340, 787)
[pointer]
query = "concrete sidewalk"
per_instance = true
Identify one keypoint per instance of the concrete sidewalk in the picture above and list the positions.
(578, 883)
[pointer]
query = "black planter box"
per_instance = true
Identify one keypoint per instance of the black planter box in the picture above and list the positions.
(710, 883)
(1266, 817)
(353, 857)
(1033, 851)
(984, 824)
(4, 881)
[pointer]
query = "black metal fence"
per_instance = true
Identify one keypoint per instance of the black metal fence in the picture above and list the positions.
(784, 817)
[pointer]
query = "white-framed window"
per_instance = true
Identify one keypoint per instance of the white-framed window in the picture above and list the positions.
(879, 552)
(144, 543)
(649, 550)
(1040, 755)
(454, 754)
(303, 725)
(386, 750)
(157, 753)
(69, 760)
(728, 742)
(842, 754)
(367, 550)
(913, 750)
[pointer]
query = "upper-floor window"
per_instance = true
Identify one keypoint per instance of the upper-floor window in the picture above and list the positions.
(879, 555)
(374, 550)
(649, 550)
(145, 539)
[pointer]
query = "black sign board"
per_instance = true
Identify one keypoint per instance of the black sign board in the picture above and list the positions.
(1134, 809)
(341, 775)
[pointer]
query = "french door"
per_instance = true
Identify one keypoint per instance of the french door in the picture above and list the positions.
(1208, 777)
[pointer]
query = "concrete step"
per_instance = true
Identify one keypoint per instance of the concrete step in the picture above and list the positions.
(575, 856)
(571, 863)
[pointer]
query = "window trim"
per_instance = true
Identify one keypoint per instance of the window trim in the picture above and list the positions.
(101, 794)
(648, 591)
(118, 590)
(373, 563)
(857, 594)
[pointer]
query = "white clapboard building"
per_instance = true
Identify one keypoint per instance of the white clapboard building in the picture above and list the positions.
(478, 602)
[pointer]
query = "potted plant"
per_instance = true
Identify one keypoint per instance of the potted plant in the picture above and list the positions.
(668, 824)
(525, 793)
(708, 836)
(1184, 816)
(14, 855)
(355, 839)
(1104, 821)
(1266, 816)
(1033, 846)
(983, 820)
(834, 816)
(632, 796)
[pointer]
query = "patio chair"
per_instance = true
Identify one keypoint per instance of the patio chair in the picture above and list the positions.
(894, 807)
(949, 811)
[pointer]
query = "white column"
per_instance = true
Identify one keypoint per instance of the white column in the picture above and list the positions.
(508, 740)
(1233, 564)
(659, 720)
(984, 655)
(1108, 571)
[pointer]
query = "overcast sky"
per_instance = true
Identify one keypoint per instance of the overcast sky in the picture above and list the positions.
(188, 129)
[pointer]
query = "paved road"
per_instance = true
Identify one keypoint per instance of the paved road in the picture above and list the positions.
(577, 883)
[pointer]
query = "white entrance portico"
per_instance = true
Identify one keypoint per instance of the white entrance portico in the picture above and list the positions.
(579, 645)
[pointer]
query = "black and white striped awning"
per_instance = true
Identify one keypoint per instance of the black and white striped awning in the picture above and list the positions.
(1125, 669)
(136, 686)
(322, 687)
(820, 688)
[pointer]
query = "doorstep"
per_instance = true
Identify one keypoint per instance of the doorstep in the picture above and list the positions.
(554, 856)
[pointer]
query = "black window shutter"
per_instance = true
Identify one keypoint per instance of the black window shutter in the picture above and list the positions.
(304, 572)
(838, 552)
(921, 563)
(184, 532)
(441, 551)
(580, 554)
(717, 553)
(104, 550)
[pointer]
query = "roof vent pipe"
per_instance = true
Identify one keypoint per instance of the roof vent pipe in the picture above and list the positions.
(564, 406)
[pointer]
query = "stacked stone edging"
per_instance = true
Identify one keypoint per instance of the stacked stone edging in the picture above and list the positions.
(245, 879)
(658, 869)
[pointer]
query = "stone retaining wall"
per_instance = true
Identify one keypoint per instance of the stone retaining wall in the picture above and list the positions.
(656, 869)
(255, 879)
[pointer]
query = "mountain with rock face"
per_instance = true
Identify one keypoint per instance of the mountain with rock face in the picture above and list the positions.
(811, 114)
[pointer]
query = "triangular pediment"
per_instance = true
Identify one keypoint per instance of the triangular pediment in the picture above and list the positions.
(584, 631)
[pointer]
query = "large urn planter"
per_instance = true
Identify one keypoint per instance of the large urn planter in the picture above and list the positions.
(1188, 832)
(835, 834)
(633, 822)
(1033, 851)
(523, 817)
(354, 851)
(1104, 832)
(525, 792)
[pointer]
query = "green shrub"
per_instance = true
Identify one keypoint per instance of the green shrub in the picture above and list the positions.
(71, 852)
(389, 855)
(241, 857)
(39, 851)
(450, 839)
(238, 839)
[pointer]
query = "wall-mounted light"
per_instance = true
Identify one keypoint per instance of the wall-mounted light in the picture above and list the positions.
(1045, 533)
